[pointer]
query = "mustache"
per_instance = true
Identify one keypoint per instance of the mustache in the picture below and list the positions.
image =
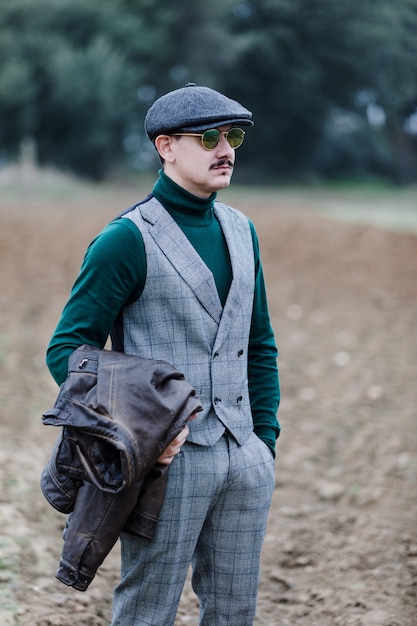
(222, 162)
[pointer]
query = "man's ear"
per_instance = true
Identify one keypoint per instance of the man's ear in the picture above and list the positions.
(163, 143)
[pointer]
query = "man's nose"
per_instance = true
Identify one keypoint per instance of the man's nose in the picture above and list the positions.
(224, 146)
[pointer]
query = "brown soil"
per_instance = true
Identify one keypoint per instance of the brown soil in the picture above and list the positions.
(341, 548)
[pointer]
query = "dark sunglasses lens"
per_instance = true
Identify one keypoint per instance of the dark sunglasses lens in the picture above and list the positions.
(235, 137)
(211, 138)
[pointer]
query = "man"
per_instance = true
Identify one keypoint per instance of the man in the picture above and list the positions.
(179, 277)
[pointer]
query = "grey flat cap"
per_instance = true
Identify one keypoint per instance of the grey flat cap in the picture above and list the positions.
(193, 108)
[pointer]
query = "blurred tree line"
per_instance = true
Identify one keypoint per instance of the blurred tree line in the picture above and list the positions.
(332, 83)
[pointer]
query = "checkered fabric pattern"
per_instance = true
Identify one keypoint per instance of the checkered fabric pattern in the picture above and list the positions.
(179, 318)
(214, 516)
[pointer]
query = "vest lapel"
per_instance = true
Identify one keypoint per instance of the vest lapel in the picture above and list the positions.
(239, 242)
(182, 255)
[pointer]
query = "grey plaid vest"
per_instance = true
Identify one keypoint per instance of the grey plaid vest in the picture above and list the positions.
(179, 317)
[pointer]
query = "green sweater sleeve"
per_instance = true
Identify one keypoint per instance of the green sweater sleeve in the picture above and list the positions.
(112, 275)
(264, 388)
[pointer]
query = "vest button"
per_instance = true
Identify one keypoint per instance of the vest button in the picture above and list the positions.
(239, 399)
(240, 353)
(215, 354)
(217, 400)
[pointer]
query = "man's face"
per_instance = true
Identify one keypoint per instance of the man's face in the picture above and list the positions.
(196, 169)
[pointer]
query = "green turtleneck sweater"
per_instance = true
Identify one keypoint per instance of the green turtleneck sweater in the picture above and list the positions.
(98, 296)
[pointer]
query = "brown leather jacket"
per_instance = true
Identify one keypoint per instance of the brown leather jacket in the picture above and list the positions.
(118, 413)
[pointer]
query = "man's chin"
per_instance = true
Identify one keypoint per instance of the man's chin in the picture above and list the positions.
(223, 180)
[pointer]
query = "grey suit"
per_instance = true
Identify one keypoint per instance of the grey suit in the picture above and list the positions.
(220, 485)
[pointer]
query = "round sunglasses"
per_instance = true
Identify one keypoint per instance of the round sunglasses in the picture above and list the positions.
(210, 138)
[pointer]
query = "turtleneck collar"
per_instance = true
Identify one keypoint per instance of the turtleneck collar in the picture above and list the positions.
(181, 202)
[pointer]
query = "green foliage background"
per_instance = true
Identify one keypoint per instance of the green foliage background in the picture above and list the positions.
(332, 83)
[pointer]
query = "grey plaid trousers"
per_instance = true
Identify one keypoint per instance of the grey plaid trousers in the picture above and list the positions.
(214, 516)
